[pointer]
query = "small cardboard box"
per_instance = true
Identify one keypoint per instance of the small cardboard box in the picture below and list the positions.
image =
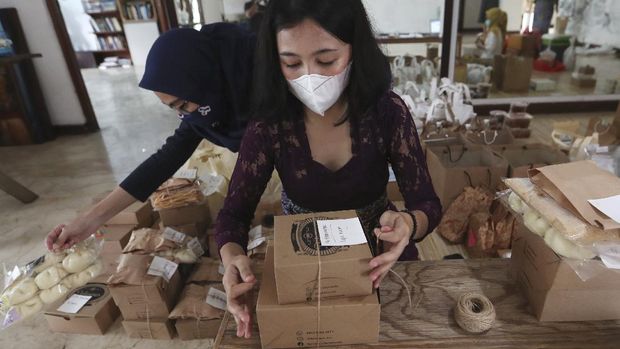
(554, 290)
(115, 237)
(206, 271)
(583, 82)
(94, 318)
(512, 73)
(153, 329)
(344, 269)
(190, 214)
(197, 229)
(352, 320)
(195, 318)
(139, 214)
(140, 296)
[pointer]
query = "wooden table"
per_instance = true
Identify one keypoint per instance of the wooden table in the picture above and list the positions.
(430, 324)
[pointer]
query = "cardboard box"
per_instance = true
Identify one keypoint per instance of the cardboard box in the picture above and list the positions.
(190, 214)
(344, 321)
(94, 318)
(139, 214)
(190, 329)
(206, 271)
(583, 82)
(554, 290)
(110, 263)
(512, 73)
(115, 237)
(197, 229)
(344, 270)
(153, 329)
(214, 251)
(140, 296)
(522, 158)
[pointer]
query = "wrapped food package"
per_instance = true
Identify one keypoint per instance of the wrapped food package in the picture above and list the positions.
(79, 260)
(52, 294)
(30, 307)
(147, 241)
(50, 276)
(177, 192)
(453, 224)
(23, 290)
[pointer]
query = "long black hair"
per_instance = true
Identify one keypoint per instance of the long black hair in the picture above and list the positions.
(347, 20)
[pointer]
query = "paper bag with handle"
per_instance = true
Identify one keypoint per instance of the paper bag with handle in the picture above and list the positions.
(571, 185)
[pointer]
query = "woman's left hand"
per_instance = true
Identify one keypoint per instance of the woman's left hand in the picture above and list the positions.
(396, 230)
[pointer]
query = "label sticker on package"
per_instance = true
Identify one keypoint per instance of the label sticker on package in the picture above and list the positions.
(216, 298)
(74, 304)
(256, 242)
(196, 247)
(187, 173)
(221, 269)
(162, 267)
(255, 233)
(609, 253)
(341, 232)
(173, 235)
(211, 184)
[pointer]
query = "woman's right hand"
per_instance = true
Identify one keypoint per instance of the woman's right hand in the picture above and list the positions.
(238, 282)
(65, 236)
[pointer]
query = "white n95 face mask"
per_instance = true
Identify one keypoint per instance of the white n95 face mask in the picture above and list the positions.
(320, 92)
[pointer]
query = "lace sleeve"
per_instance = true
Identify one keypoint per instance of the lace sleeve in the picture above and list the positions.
(409, 163)
(252, 172)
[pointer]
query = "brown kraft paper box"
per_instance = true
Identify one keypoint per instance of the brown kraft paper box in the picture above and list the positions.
(554, 290)
(115, 237)
(522, 158)
(351, 320)
(193, 229)
(96, 317)
(344, 269)
(140, 296)
(189, 214)
(139, 214)
(512, 73)
(153, 329)
(195, 319)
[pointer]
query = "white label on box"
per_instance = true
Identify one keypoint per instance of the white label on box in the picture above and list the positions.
(196, 247)
(162, 267)
(609, 253)
(187, 173)
(216, 298)
(221, 269)
(74, 304)
(256, 242)
(211, 184)
(255, 233)
(341, 232)
(602, 150)
(609, 206)
(173, 235)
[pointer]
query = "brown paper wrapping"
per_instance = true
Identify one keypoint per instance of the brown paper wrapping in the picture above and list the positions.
(192, 304)
(147, 241)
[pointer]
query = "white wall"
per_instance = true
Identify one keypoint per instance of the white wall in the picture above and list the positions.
(233, 9)
(58, 89)
(78, 25)
(405, 16)
(212, 11)
(514, 10)
(140, 38)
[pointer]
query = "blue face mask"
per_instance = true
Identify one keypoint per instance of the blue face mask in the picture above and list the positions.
(487, 23)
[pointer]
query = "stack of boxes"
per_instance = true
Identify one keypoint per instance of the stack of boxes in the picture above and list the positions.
(512, 72)
(288, 310)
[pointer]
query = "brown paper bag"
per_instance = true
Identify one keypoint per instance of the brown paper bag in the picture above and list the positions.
(207, 271)
(456, 167)
(522, 158)
(147, 241)
(192, 304)
(571, 185)
(611, 135)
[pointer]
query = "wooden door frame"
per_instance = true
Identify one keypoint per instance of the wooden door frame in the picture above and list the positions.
(58, 21)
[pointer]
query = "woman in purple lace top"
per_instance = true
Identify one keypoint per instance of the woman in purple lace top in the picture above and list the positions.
(327, 122)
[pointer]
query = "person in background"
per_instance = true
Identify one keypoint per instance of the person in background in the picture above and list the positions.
(204, 77)
(543, 13)
(326, 120)
(484, 6)
(254, 15)
(491, 41)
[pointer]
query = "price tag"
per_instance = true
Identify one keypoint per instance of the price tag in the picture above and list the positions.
(162, 267)
(74, 304)
(256, 242)
(187, 173)
(173, 235)
(341, 232)
(216, 298)
(196, 247)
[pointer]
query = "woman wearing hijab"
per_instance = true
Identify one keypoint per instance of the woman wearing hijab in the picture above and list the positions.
(491, 42)
(205, 77)
(327, 121)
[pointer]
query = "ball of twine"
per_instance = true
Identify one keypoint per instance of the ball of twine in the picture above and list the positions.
(474, 313)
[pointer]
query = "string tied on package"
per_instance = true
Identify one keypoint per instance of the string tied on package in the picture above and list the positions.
(474, 313)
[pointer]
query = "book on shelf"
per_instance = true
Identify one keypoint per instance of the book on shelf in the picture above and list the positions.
(139, 11)
(95, 6)
(106, 25)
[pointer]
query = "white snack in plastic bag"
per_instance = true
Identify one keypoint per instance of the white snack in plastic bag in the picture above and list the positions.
(51, 259)
(79, 260)
(22, 291)
(93, 271)
(562, 246)
(52, 294)
(516, 203)
(77, 280)
(30, 307)
(535, 223)
(186, 256)
(50, 276)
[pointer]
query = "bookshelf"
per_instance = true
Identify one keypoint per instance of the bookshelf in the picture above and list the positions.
(107, 25)
(145, 11)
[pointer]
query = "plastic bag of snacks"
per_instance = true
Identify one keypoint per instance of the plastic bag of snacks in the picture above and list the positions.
(25, 290)
(165, 243)
(177, 192)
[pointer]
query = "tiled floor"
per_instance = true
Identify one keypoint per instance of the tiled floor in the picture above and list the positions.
(69, 171)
